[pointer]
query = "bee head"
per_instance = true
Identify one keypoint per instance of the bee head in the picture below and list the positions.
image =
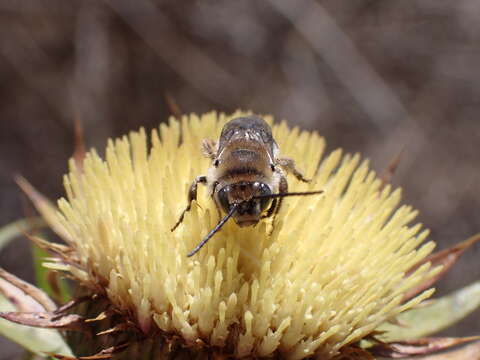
(250, 199)
(245, 201)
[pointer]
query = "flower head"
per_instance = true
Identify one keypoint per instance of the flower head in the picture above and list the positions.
(323, 275)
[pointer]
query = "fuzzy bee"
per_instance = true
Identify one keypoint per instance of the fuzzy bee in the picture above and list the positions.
(247, 176)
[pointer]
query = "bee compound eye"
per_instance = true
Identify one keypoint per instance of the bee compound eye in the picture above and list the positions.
(264, 189)
(223, 198)
(264, 204)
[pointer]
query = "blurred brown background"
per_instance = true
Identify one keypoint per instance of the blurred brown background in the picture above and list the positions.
(374, 76)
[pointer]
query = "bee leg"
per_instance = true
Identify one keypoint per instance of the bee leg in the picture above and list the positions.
(192, 195)
(289, 165)
(271, 209)
(209, 148)
(212, 194)
(282, 188)
(277, 203)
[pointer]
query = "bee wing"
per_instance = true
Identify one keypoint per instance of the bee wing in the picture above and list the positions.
(209, 148)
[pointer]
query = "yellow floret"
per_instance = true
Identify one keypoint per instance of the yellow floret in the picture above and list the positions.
(330, 271)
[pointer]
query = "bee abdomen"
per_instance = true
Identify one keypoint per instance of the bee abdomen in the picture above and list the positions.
(241, 171)
(245, 155)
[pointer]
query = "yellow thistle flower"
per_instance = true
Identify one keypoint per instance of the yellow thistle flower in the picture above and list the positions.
(324, 275)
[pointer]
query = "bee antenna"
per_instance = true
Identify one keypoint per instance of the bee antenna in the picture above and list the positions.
(214, 230)
(281, 195)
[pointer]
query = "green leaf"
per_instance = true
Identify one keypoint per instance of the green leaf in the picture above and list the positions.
(56, 287)
(438, 315)
(469, 352)
(17, 228)
(36, 340)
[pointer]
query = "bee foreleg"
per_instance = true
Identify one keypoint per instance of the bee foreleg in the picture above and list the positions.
(277, 203)
(209, 148)
(271, 209)
(289, 165)
(212, 194)
(192, 195)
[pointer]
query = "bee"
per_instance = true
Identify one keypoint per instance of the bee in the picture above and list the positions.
(247, 176)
